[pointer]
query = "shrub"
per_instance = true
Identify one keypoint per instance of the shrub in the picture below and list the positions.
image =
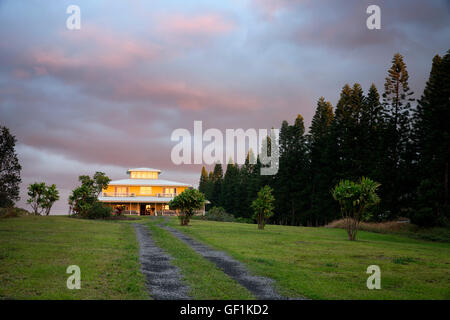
(219, 214)
(13, 212)
(99, 211)
(354, 199)
(187, 202)
(263, 206)
(244, 220)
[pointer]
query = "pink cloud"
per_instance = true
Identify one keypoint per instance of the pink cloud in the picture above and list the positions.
(202, 25)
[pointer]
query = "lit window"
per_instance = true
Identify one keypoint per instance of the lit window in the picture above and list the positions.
(146, 190)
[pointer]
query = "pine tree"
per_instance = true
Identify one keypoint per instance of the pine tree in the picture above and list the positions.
(396, 138)
(432, 137)
(217, 179)
(323, 208)
(371, 125)
(230, 188)
(203, 184)
(345, 130)
(291, 181)
(9, 169)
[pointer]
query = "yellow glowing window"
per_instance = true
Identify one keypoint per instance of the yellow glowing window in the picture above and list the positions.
(146, 190)
(121, 190)
(166, 207)
(170, 190)
(144, 175)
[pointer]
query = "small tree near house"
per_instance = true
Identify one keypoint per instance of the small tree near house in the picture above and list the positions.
(42, 197)
(263, 206)
(354, 199)
(187, 202)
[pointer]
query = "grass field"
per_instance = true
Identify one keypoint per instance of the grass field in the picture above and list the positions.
(35, 252)
(319, 263)
(203, 277)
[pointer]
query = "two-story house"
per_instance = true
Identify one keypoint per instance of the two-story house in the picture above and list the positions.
(143, 193)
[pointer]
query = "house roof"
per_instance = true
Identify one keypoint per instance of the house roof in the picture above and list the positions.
(143, 169)
(148, 182)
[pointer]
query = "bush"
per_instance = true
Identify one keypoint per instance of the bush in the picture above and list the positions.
(13, 212)
(218, 214)
(99, 211)
(244, 220)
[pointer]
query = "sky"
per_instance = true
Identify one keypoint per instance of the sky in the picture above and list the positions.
(107, 97)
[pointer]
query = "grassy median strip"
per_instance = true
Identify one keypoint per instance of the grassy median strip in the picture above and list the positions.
(36, 251)
(205, 280)
(320, 263)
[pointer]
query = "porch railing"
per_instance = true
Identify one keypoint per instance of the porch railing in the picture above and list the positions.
(159, 195)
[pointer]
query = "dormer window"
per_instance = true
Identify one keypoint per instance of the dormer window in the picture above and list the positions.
(144, 173)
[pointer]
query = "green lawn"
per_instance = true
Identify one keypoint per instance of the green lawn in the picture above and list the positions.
(320, 263)
(35, 252)
(205, 280)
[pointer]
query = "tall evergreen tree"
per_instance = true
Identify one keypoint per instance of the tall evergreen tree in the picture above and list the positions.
(9, 169)
(323, 208)
(230, 188)
(396, 138)
(292, 183)
(432, 137)
(203, 183)
(217, 180)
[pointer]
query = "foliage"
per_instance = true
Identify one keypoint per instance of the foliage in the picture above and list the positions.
(218, 214)
(36, 192)
(98, 211)
(42, 197)
(187, 202)
(407, 153)
(354, 199)
(432, 141)
(12, 212)
(9, 169)
(263, 206)
(84, 197)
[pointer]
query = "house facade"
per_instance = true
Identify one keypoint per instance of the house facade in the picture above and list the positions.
(143, 193)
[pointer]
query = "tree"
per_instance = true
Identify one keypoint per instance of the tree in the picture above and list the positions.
(292, 180)
(9, 169)
(84, 199)
(36, 192)
(50, 196)
(322, 167)
(217, 180)
(230, 188)
(396, 138)
(203, 183)
(432, 144)
(187, 202)
(263, 206)
(354, 199)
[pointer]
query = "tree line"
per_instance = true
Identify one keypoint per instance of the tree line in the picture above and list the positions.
(401, 143)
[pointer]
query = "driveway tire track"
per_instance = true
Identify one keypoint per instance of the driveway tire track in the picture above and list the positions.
(163, 280)
(262, 287)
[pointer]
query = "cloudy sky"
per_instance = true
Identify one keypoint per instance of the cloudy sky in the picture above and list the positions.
(108, 96)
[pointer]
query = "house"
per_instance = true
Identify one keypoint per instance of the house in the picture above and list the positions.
(143, 193)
